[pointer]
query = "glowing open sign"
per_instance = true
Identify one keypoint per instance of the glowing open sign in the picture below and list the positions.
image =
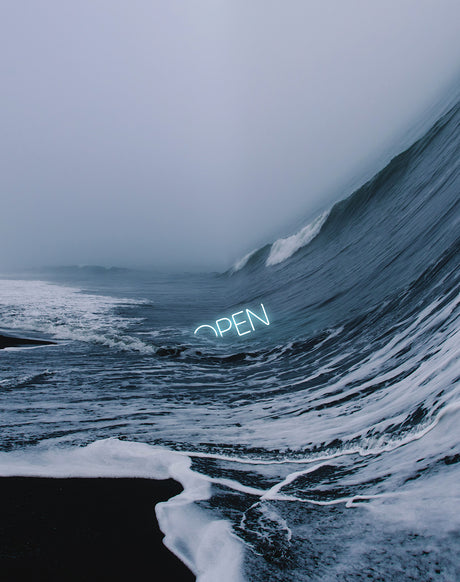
(225, 324)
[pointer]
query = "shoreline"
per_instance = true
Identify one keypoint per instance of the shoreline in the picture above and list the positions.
(80, 528)
(9, 341)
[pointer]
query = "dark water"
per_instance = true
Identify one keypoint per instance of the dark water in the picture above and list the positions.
(329, 441)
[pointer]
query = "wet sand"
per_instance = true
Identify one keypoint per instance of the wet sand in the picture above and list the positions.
(7, 341)
(85, 529)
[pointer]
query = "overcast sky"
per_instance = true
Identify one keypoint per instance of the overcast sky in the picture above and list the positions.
(185, 133)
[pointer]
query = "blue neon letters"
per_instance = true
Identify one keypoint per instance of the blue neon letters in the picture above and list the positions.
(240, 319)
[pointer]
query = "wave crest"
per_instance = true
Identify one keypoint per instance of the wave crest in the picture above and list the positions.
(284, 248)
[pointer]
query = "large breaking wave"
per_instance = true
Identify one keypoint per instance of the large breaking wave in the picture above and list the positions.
(328, 445)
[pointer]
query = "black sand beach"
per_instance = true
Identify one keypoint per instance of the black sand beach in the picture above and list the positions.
(7, 341)
(85, 529)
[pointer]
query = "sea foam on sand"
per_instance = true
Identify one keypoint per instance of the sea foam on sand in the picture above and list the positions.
(206, 546)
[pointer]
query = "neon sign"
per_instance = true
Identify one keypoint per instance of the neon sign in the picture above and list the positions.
(237, 321)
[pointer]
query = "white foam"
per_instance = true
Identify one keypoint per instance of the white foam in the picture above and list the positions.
(205, 545)
(284, 248)
(67, 313)
(242, 262)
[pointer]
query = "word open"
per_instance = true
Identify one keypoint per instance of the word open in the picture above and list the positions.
(225, 324)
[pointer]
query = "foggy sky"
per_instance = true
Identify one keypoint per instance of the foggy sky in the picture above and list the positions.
(186, 133)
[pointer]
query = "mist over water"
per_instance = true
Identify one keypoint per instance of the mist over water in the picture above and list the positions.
(183, 135)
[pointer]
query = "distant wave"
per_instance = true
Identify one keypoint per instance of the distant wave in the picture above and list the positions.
(242, 262)
(284, 248)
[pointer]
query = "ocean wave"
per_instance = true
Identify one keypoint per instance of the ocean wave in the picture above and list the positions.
(284, 248)
(334, 432)
(242, 262)
(24, 380)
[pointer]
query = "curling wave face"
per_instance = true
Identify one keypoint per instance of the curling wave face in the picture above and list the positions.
(334, 433)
